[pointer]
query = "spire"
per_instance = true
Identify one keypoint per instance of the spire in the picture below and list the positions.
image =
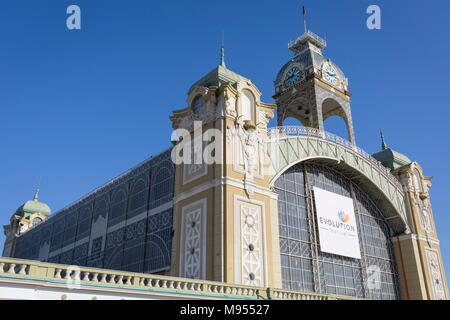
(37, 193)
(383, 143)
(222, 57)
(222, 52)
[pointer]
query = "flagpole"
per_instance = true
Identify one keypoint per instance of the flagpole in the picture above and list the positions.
(304, 18)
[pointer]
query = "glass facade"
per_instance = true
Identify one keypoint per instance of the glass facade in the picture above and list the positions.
(124, 225)
(304, 267)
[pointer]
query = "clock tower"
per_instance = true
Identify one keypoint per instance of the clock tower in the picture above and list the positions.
(311, 88)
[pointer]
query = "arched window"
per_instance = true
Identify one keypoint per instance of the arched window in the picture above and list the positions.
(36, 221)
(304, 267)
(248, 106)
(418, 181)
(197, 104)
(139, 195)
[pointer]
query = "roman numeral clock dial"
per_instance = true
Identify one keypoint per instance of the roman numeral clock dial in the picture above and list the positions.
(292, 76)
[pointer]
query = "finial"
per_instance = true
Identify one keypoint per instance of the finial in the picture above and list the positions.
(222, 53)
(37, 193)
(383, 143)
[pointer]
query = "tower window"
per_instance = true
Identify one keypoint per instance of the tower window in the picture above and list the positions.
(36, 221)
(248, 106)
(197, 104)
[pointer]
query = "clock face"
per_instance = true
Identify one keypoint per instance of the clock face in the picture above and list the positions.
(331, 75)
(293, 76)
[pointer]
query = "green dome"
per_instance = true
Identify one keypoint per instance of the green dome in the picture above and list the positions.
(30, 207)
(33, 206)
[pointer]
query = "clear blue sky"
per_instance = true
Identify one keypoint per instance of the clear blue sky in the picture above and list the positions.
(80, 107)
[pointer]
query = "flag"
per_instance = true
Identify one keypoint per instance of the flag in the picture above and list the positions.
(304, 12)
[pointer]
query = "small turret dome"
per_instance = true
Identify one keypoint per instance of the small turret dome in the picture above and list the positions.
(33, 206)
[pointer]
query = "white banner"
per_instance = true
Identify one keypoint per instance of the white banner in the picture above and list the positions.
(336, 222)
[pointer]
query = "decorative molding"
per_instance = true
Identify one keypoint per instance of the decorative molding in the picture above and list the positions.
(414, 236)
(222, 181)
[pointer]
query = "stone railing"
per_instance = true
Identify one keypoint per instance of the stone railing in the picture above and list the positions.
(11, 269)
(279, 132)
(305, 35)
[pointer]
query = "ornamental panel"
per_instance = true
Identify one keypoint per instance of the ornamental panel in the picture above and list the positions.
(250, 251)
(435, 274)
(193, 240)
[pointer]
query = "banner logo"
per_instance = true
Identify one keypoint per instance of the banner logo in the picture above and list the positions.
(343, 216)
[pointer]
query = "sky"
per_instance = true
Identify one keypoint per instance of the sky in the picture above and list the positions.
(79, 107)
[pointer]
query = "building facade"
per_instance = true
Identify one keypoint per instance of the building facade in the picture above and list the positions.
(234, 201)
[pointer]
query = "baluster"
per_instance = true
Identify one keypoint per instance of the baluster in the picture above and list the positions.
(76, 275)
(58, 273)
(103, 279)
(119, 280)
(86, 276)
(95, 277)
(22, 269)
(67, 276)
(11, 268)
(112, 279)
(128, 283)
(1, 267)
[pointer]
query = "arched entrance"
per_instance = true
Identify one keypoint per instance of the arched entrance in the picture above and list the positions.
(304, 267)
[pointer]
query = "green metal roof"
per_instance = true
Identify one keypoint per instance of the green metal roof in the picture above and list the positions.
(217, 76)
(390, 158)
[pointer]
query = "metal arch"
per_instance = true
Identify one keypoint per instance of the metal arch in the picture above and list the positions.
(290, 145)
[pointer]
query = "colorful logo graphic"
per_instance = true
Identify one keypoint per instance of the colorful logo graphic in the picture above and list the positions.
(343, 216)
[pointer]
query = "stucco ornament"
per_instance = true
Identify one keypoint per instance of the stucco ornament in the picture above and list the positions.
(230, 104)
(250, 139)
